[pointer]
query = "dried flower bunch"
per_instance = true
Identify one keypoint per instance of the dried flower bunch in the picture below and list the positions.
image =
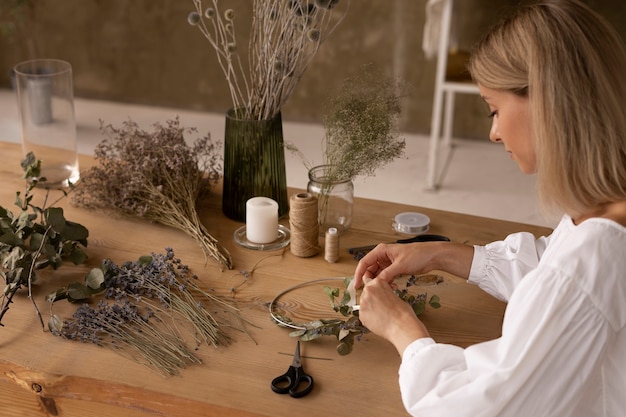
(37, 237)
(151, 309)
(284, 37)
(156, 176)
(361, 125)
(351, 329)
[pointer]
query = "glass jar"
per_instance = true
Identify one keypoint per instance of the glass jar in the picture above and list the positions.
(335, 198)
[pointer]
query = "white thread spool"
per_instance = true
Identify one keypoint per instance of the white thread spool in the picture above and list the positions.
(331, 245)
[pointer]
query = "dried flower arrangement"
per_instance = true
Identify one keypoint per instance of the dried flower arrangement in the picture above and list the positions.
(37, 237)
(361, 126)
(361, 134)
(351, 329)
(155, 176)
(151, 309)
(284, 37)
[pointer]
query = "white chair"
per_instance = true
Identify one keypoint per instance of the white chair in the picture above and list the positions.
(446, 86)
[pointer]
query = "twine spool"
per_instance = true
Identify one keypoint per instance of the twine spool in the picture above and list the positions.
(331, 245)
(304, 225)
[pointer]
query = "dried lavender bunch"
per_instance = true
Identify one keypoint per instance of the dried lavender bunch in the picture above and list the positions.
(123, 327)
(153, 305)
(156, 176)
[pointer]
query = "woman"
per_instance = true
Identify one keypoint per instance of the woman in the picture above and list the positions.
(553, 77)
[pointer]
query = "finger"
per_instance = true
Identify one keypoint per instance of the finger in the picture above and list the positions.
(366, 280)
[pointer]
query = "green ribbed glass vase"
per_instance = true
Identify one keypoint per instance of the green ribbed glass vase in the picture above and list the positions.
(254, 164)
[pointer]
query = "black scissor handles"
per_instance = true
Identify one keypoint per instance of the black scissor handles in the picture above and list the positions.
(295, 381)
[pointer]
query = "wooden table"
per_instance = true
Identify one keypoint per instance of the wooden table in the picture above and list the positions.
(43, 375)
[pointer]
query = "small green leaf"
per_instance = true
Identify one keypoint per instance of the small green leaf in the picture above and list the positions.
(77, 256)
(11, 239)
(434, 301)
(419, 308)
(55, 324)
(57, 295)
(35, 241)
(331, 292)
(95, 279)
(345, 310)
(344, 348)
(145, 260)
(75, 231)
(78, 292)
(54, 217)
(310, 335)
(297, 333)
(18, 200)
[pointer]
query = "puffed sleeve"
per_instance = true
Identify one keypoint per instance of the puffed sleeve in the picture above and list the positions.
(498, 267)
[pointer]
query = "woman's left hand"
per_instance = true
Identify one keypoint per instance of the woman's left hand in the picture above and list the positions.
(388, 316)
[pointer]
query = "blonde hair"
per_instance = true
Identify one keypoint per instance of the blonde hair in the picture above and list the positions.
(570, 63)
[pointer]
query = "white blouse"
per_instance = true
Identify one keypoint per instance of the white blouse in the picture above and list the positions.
(563, 346)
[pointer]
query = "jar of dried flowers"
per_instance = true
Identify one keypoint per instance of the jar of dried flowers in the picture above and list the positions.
(284, 38)
(361, 135)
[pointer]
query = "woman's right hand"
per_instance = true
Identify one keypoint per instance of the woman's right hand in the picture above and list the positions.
(388, 261)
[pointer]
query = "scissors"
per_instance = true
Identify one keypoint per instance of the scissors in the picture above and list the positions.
(295, 381)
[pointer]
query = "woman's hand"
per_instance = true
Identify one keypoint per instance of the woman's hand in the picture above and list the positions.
(388, 261)
(381, 310)
(387, 315)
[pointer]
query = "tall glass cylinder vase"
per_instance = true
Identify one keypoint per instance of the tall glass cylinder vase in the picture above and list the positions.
(335, 196)
(254, 164)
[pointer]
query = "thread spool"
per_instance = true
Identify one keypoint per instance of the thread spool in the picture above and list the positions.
(304, 225)
(331, 245)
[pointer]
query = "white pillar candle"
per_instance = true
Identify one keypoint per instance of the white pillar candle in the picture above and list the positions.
(261, 220)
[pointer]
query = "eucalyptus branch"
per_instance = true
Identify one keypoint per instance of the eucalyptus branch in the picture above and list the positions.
(31, 273)
(28, 245)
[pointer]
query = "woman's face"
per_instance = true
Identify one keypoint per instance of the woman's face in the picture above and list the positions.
(511, 126)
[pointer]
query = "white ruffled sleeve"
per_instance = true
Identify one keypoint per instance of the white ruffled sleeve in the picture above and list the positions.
(498, 267)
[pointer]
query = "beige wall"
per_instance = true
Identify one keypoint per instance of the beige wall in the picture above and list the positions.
(143, 51)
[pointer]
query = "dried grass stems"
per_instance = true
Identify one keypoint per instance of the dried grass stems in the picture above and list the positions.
(155, 176)
(285, 35)
(152, 307)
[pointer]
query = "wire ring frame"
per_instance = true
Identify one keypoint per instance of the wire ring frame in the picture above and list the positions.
(295, 287)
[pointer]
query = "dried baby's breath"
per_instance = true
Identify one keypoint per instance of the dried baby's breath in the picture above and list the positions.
(361, 125)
